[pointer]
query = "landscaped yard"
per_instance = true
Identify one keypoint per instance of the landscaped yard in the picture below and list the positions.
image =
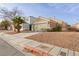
(68, 40)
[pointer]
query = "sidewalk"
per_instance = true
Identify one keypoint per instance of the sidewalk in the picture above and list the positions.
(8, 50)
(19, 42)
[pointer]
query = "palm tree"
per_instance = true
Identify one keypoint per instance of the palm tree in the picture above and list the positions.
(17, 21)
(5, 24)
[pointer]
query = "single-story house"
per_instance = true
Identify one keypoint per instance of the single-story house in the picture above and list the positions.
(41, 23)
(35, 24)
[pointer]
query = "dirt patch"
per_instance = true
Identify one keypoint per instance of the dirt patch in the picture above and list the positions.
(68, 40)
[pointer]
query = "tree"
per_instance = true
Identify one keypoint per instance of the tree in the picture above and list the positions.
(5, 24)
(9, 14)
(17, 21)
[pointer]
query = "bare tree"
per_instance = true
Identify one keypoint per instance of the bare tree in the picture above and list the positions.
(10, 14)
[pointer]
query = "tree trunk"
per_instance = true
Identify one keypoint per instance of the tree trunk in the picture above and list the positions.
(18, 30)
(14, 30)
(6, 28)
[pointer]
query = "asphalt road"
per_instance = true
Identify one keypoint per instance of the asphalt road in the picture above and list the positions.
(8, 50)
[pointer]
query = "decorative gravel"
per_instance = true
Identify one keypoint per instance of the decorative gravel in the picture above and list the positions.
(68, 40)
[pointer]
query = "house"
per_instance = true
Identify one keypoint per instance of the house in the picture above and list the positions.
(40, 24)
(52, 24)
(35, 23)
(76, 27)
(28, 25)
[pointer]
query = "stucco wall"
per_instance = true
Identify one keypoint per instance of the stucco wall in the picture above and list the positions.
(41, 27)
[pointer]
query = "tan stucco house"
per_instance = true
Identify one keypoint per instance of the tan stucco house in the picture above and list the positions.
(41, 23)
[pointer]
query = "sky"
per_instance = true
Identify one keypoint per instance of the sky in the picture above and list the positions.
(69, 12)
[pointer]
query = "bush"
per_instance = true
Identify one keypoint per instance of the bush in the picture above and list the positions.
(57, 28)
(49, 30)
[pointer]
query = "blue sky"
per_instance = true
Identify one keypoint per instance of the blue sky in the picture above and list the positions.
(64, 11)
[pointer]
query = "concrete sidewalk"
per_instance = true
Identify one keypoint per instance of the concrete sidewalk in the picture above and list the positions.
(18, 41)
(8, 50)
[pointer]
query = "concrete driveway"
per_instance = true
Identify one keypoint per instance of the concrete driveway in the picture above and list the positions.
(8, 50)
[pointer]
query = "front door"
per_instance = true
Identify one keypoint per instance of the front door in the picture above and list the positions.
(30, 27)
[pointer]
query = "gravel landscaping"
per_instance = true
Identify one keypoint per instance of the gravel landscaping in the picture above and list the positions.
(68, 40)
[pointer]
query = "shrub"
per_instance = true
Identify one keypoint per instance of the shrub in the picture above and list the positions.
(58, 28)
(49, 30)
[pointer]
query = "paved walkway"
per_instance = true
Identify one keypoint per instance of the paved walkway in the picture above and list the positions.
(18, 41)
(8, 50)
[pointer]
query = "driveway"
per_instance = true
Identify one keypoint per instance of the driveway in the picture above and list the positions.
(8, 50)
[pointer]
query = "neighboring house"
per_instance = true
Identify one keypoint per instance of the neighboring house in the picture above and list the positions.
(76, 26)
